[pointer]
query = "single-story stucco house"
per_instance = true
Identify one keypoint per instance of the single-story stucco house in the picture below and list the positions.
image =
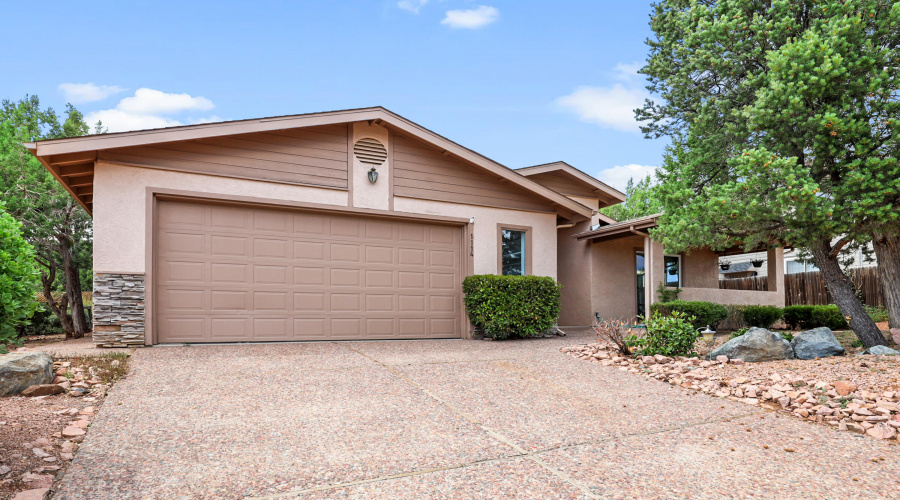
(355, 224)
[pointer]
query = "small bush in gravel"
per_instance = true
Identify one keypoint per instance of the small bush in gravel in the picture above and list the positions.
(762, 316)
(511, 306)
(809, 317)
(878, 314)
(701, 313)
(670, 335)
(618, 332)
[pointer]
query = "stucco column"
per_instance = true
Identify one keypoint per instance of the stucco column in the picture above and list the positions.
(648, 274)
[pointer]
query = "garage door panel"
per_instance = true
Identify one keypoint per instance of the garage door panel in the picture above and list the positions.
(226, 273)
(226, 245)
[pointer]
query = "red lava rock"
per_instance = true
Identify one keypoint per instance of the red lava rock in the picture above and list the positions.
(81, 423)
(72, 431)
(42, 390)
(882, 431)
(844, 387)
(35, 494)
(59, 379)
(722, 359)
(37, 480)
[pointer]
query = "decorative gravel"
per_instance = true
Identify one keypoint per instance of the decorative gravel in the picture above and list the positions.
(445, 419)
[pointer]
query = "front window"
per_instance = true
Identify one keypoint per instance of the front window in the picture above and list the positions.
(673, 270)
(513, 252)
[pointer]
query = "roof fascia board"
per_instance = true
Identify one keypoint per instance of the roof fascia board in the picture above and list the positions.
(596, 184)
(141, 137)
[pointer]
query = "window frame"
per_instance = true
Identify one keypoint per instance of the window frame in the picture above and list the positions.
(528, 246)
(680, 271)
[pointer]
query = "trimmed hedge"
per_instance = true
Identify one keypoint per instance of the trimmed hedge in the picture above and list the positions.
(703, 313)
(762, 316)
(808, 317)
(511, 306)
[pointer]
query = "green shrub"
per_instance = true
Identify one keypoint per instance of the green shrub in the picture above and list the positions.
(787, 336)
(737, 333)
(807, 317)
(762, 316)
(666, 294)
(669, 335)
(878, 314)
(18, 279)
(43, 322)
(511, 306)
(703, 313)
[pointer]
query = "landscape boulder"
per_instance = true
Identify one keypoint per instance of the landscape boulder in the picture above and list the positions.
(882, 350)
(757, 345)
(18, 371)
(816, 343)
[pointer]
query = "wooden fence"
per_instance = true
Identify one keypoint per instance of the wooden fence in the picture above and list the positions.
(86, 297)
(809, 288)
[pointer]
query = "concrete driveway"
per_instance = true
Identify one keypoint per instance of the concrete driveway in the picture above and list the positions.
(446, 419)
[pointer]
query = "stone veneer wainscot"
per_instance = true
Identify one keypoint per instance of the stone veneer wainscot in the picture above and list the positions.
(118, 310)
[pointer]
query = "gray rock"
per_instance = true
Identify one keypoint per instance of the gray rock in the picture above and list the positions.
(816, 343)
(758, 344)
(18, 371)
(882, 350)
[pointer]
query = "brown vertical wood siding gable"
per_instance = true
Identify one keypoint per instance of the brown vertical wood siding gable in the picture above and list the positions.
(314, 156)
(423, 172)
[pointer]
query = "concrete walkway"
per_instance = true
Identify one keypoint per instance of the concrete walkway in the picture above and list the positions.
(446, 419)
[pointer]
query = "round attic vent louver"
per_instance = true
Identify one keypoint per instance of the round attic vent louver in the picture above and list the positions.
(369, 151)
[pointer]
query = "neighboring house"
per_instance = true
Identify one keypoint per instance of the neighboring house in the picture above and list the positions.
(355, 224)
(741, 265)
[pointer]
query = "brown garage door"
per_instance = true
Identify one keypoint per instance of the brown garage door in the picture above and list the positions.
(236, 273)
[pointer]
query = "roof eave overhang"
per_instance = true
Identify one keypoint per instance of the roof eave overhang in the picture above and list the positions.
(637, 227)
(593, 183)
(566, 207)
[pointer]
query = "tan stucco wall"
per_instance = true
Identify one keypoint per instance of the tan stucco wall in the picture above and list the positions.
(593, 203)
(365, 194)
(614, 289)
(701, 268)
(120, 203)
(733, 297)
(574, 274)
(543, 227)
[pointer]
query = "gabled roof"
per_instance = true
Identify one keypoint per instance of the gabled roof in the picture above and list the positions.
(620, 229)
(609, 194)
(77, 154)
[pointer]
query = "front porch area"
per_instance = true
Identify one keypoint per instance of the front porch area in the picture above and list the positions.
(628, 271)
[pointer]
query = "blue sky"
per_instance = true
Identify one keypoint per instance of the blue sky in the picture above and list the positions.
(523, 82)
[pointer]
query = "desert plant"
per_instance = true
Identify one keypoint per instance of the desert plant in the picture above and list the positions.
(762, 316)
(511, 306)
(618, 332)
(787, 336)
(807, 317)
(703, 313)
(669, 335)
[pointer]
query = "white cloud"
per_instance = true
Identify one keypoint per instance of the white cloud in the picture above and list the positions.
(149, 101)
(115, 120)
(619, 175)
(412, 5)
(87, 92)
(149, 108)
(478, 17)
(611, 106)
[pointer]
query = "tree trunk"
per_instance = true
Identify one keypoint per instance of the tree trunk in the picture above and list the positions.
(60, 309)
(887, 252)
(72, 285)
(842, 291)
